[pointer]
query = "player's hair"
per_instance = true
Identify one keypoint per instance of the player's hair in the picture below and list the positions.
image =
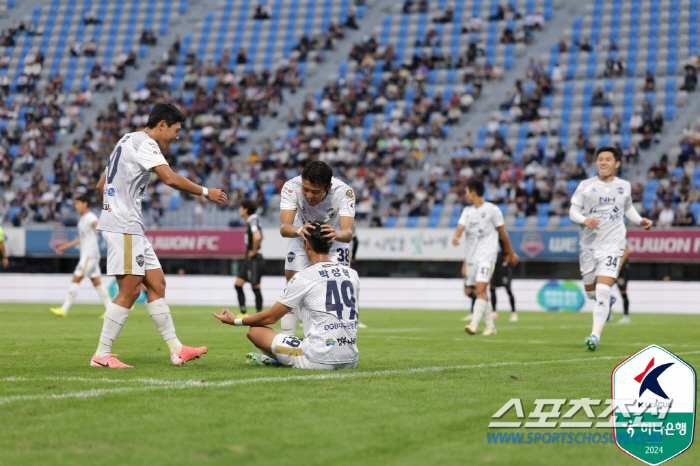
(615, 152)
(249, 205)
(167, 112)
(318, 242)
(477, 186)
(83, 198)
(317, 173)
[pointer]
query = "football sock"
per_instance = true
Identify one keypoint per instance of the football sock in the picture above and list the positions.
(290, 321)
(480, 307)
(625, 303)
(160, 313)
(488, 315)
(601, 308)
(258, 299)
(494, 300)
(241, 298)
(115, 318)
(511, 296)
(72, 293)
(102, 292)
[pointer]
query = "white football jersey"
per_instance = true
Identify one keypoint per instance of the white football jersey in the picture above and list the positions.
(126, 179)
(480, 229)
(607, 202)
(327, 294)
(89, 246)
(340, 201)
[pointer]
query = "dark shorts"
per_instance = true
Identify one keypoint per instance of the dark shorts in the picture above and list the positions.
(623, 277)
(502, 274)
(252, 269)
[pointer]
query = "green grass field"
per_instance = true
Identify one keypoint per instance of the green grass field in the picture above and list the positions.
(423, 393)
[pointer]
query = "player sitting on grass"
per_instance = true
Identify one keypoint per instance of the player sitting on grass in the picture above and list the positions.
(327, 294)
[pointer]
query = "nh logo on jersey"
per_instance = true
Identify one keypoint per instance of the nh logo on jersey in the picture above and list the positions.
(606, 200)
(663, 388)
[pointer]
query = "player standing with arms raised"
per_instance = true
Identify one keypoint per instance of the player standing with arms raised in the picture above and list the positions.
(315, 196)
(89, 263)
(598, 206)
(327, 294)
(483, 223)
(130, 256)
(253, 267)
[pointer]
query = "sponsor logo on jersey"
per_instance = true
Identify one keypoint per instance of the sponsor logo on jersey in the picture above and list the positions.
(606, 200)
(110, 192)
(350, 193)
(290, 191)
(330, 341)
(620, 190)
(331, 212)
(140, 260)
(290, 257)
(346, 341)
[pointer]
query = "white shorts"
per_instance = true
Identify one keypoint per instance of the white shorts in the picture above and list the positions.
(595, 263)
(297, 260)
(88, 267)
(480, 272)
(129, 254)
(287, 350)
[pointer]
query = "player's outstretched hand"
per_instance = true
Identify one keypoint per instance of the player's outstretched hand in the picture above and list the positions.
(61, 249)
(646, 223)
(218, 196)
(455, 241)
(328, 232)
(226, 316)
(591, 222)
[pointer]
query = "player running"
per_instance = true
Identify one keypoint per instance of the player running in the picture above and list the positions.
(598, 206)
(503, 276)
(483, 222)
(327, 294)
(315, 196)
(89, 263)
(253, 267)
(130, 256)
(623, 278)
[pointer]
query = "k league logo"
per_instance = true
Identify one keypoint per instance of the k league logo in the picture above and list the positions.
(664, 389)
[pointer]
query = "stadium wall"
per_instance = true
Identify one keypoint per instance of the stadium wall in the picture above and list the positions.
(391, 293)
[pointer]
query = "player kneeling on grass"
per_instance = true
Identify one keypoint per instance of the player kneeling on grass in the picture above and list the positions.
(327, 294)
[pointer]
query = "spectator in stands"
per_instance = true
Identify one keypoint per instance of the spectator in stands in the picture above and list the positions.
(649, 83)
(241, 57)
(581, 139)
(407, 5)
(148, 38)
(5, 60)
(508, 37)
(91, 49)
(91, 17)
(584, 45)
(691, 79)
(261, 11)
(76, 49)
(474, 24)
(666, 215)
(658, 123)
(499, 15)
(445, 16)
(635, 122)
(604, 125)
(683, 216)
(350, 22)
(599, 98)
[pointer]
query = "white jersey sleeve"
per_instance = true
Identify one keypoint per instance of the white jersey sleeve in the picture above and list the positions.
(345, 201)
(497, 217)
(294, 292)
(288, 196)
(149, 156)
(463, 217)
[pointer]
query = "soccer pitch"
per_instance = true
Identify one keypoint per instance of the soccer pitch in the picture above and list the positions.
(423, 393)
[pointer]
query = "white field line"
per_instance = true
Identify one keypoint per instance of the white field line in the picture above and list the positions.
(157, 384)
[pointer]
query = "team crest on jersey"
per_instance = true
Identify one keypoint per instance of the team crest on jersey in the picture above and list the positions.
(290, 257)
(350, 193)
(483, 215)
(110, 192)
(140, 260)
(620, 190)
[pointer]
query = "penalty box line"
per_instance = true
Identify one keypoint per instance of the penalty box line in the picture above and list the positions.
(159, 384)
